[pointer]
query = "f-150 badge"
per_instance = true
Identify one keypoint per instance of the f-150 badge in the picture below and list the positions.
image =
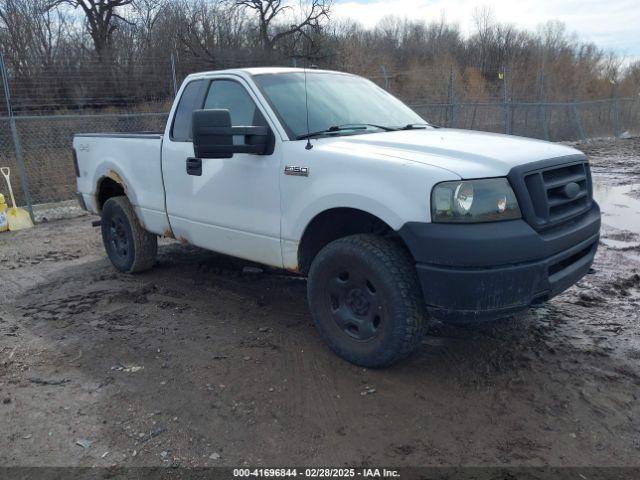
(297, 171)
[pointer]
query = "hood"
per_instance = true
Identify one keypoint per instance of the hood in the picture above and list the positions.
(467, 153)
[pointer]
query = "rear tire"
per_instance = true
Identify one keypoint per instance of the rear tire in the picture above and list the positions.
(130, 247)
(366, 300)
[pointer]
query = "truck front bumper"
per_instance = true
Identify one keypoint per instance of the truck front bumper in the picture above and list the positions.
(489, 270)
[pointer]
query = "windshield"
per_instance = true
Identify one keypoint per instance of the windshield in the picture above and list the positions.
(334, 99)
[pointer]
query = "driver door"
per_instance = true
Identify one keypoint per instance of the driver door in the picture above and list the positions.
(233, 207)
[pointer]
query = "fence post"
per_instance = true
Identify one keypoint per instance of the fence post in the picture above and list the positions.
(452, 97)
(173, 75)
(543, 120)
(16, 138)
(542, 109)
(506, 104)
(385, 74)
(616, 110)
(576, 115)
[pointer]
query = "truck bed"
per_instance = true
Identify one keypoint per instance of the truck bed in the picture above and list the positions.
(132, 160)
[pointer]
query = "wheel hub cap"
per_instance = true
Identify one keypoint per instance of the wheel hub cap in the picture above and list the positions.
(119, 236)
(356, 305)
(357, 301)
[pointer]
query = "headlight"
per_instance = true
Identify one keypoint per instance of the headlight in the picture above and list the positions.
(469, 201)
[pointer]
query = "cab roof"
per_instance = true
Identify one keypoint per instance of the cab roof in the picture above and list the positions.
(249, 72)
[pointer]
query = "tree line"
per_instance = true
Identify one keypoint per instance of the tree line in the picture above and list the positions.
(105, 53)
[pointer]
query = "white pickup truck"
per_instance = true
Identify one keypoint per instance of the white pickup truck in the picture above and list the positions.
(393, 220)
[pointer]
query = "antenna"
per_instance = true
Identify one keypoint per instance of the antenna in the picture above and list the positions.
(308, 146)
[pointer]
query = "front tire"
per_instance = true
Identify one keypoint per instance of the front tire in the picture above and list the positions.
(130, 247)
(366, 300)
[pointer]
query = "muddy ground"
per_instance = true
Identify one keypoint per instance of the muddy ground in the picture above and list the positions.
(198, 362)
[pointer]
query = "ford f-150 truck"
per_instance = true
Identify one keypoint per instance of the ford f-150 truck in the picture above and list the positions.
(393, 221)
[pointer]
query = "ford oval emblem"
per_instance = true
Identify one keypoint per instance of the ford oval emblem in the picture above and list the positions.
(571, 190)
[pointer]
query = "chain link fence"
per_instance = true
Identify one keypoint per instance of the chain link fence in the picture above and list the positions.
(36, 129)
(548, 121)
(45, 144)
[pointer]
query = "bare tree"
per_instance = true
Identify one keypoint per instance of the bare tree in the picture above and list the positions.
(146, 15)
(31, 34)
(271, 15)
(484, 35)
(630, 84)
(101, 19)
(210, 30)
(46, 44)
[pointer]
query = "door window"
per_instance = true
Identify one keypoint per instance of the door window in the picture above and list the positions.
(190, 100)
(230, 95)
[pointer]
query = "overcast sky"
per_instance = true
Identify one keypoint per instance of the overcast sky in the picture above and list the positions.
(611, 24)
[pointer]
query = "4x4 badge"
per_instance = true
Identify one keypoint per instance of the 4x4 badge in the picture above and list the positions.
(297, 171)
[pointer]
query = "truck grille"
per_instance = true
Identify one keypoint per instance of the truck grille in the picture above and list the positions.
(552, 195)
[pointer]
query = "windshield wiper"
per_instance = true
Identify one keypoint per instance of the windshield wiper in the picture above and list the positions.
(342, 128)
(414, 126)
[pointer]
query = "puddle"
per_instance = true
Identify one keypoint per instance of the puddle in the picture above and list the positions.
(619, 209)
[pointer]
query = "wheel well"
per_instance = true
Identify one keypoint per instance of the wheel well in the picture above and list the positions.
(106, 189)
(333, 224)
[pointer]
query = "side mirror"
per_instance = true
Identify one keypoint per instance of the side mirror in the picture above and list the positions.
(213, 136)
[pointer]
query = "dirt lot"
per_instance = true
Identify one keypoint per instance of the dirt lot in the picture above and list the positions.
(200, 362)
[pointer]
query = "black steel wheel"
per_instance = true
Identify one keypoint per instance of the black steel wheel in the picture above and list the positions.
(355, 303)
(119, 236)
(130, 248)
(366, 301)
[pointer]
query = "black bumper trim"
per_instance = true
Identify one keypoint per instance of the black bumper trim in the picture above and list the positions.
(496, 243)
(479, 271)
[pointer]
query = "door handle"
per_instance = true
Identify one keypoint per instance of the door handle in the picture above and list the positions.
(194, 166)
